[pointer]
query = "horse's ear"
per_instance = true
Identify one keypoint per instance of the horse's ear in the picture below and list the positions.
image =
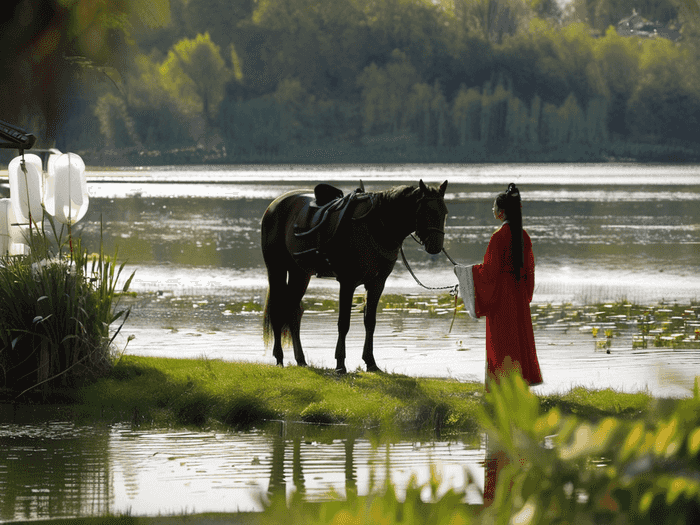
(443, 188)
(422, 187)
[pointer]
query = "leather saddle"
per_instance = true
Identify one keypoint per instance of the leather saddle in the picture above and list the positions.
(319, 221)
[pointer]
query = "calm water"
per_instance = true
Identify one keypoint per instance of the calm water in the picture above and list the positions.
(600, 233)
(55, 470)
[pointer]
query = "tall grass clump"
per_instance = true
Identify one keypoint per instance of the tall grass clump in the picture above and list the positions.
(56, 310)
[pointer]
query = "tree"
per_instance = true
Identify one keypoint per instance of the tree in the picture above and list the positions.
(466, 115)
(385, 93)
(195, 75)
(618, 62)
(156, 114)
(219, 18)
(112, 114)
(324, 45)
(492, 20)
(45, 43)
(662, 106)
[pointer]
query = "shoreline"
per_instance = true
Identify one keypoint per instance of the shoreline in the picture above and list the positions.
(420, 337)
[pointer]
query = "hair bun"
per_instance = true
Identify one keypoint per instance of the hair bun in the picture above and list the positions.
(512, 190)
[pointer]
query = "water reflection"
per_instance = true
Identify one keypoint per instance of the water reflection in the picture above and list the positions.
(53, 469)
(59, 470)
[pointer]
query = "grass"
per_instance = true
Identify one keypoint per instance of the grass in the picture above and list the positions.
(207, 393)
(594, 405)
(202, 392)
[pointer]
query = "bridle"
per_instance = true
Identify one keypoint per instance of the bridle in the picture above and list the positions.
(420, 230)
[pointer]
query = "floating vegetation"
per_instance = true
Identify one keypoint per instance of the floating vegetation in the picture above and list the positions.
(661, 325)
(669, 325)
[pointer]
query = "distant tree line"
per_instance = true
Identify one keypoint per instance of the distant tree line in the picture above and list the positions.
(414, 80)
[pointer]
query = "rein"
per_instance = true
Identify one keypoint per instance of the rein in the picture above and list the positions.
(453, 288)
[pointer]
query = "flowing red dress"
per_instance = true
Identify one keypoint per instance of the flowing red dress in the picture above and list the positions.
(505, 301)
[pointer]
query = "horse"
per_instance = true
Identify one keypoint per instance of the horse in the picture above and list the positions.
(355, 238)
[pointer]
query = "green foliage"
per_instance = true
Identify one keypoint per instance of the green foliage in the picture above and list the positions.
(410, 79)
(385, 93)
(116, 124)
(55, 315)
(567, 470)
(466, 113)
(194, 74)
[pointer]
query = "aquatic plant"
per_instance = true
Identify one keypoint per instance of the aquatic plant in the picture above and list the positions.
(56, 311)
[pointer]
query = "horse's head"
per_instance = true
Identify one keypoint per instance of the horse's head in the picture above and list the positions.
(430, 217)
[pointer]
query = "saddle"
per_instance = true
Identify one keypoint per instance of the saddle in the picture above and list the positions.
(319, 221)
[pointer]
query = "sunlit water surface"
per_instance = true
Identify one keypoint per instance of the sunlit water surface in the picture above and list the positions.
(600, 232)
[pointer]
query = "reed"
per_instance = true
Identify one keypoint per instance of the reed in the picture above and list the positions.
(56, 311)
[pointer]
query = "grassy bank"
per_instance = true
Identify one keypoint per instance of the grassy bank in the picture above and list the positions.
(216, 394)
(636, 467)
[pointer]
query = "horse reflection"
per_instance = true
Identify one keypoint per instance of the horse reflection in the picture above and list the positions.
(277, 487)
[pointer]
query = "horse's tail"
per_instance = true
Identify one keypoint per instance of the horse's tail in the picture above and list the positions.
(267, 323)
(268, 335)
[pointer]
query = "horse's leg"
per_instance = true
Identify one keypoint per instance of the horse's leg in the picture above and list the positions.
(296, 288)
(345, 307)
(374, 292)
(277, 280)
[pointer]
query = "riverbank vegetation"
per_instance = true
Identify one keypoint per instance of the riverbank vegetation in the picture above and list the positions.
(59, 307)
(212, 393)
(555, 465)
(297, 81)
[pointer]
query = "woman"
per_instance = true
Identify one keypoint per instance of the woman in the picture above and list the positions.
(502, 290)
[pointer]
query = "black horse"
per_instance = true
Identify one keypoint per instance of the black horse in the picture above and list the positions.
(355, 238)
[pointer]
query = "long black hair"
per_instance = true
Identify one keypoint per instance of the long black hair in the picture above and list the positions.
(510, 203)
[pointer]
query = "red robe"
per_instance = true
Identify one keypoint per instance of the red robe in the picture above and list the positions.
(505, 301)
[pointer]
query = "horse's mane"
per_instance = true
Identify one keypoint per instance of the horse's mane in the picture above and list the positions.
(398, 193)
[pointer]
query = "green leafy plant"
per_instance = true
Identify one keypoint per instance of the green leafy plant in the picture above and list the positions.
(56, 311)
(565, 470)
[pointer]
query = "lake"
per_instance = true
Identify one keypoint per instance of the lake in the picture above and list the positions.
(600, 232)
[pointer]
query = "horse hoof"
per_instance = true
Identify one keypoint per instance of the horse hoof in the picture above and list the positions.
(373, 368)
(280, 364)
(302, 363)
(341, 371)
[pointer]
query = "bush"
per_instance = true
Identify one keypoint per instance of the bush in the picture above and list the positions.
(55, 315)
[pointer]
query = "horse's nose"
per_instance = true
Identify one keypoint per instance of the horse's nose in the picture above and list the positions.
(433, 245)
